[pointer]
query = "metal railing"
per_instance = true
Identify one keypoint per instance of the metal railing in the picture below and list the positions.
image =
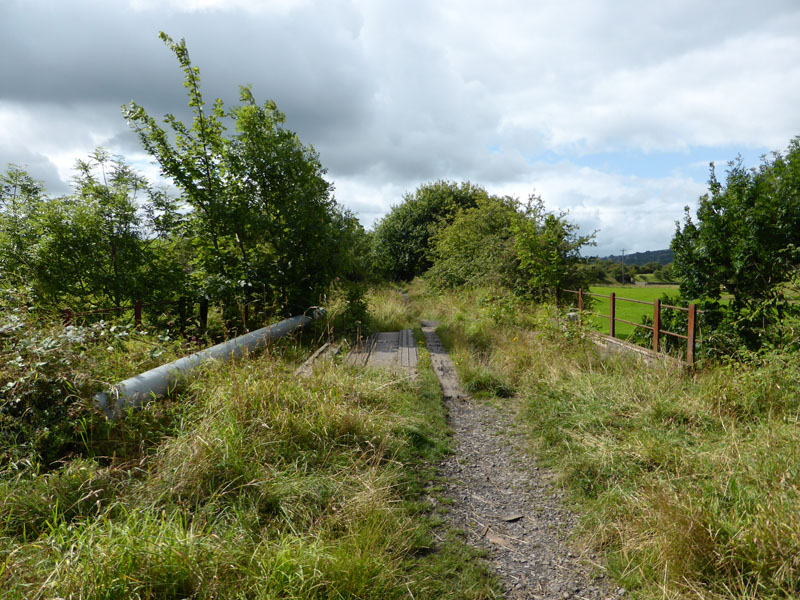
(691, 329)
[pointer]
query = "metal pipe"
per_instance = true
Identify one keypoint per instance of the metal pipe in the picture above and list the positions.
(157, 382)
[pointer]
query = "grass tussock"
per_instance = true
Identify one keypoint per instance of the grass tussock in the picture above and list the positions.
(689, 484)
(265, 487)
(389, 311)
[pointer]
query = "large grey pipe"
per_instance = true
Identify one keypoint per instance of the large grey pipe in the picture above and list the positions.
(156, 382)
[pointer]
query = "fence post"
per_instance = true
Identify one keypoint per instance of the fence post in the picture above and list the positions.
(66, 315)
(182, 316)
(656, 323)
(203, 315)
(580, 306)
(691, 334)
(612, 313)
(137, 314)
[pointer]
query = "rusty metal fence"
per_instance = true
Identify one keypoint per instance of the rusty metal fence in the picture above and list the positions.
(691, 331)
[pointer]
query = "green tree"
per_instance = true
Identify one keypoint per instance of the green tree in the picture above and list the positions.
(595, 271)
(548, 248)
(477, 248)
(744, 241)
(663, 273)
(94, 246)
(290, 228)
(649, 267)
(197, 163)
(350, 252)
(404, 238)
(615, 272)
(21, 200)
(262, 218)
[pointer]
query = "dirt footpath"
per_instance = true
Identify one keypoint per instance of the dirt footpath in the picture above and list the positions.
(504, 503)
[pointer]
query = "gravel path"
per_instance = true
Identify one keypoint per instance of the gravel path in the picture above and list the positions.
(505, 504)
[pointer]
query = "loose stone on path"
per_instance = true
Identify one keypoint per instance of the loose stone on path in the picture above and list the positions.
(503, 502)
(442, 363)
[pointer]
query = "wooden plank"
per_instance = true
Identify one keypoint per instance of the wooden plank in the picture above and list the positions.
(307, 368)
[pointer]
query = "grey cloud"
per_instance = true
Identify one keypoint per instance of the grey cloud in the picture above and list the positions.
(95, 51)
(124, 142)
(69, 52)
(37, 166)
(396, 94)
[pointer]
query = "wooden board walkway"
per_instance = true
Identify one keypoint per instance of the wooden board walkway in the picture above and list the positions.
(387, 349)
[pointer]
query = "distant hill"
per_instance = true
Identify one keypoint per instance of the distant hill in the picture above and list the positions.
(661, 257)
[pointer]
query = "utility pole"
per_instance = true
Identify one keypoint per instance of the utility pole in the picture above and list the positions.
(623, 266)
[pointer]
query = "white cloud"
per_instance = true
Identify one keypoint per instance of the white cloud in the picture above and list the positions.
(190, 6)
(509, 95)
(628, 211)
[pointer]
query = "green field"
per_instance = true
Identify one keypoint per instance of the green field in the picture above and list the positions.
(630, 311)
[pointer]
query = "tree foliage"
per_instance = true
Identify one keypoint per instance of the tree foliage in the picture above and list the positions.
(93, 247)
(459, 235)
(744, 241)
(95, 239)
(256, 219)
(477, 248)
(21, 200)
(404, 238)
(263, 220)
(548, 248)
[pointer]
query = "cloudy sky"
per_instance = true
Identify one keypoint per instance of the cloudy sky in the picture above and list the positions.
(611, 110)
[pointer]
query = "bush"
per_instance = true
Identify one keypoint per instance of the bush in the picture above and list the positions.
(404, 238)
(48, 374)
(478, 247)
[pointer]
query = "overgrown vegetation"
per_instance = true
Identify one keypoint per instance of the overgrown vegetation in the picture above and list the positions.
(251, 483)
(744, 243)
(477, 248)
(254, 485)
(463, 237)
(256, 222)
(48, 373)
(687, 484)
(405, 237)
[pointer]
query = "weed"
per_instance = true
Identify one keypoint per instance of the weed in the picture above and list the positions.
(260, 486)
(50, 371)
(688, 484)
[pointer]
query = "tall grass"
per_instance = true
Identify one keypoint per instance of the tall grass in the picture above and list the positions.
(265, 487)
(690, 485)
(389, 311)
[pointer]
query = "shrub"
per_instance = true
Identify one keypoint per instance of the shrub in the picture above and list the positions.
(48, 374)
(478, 247)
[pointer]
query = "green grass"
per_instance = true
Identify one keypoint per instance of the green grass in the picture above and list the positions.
(630, 311)
(388, 311)
(262, 486)
(688, 486)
